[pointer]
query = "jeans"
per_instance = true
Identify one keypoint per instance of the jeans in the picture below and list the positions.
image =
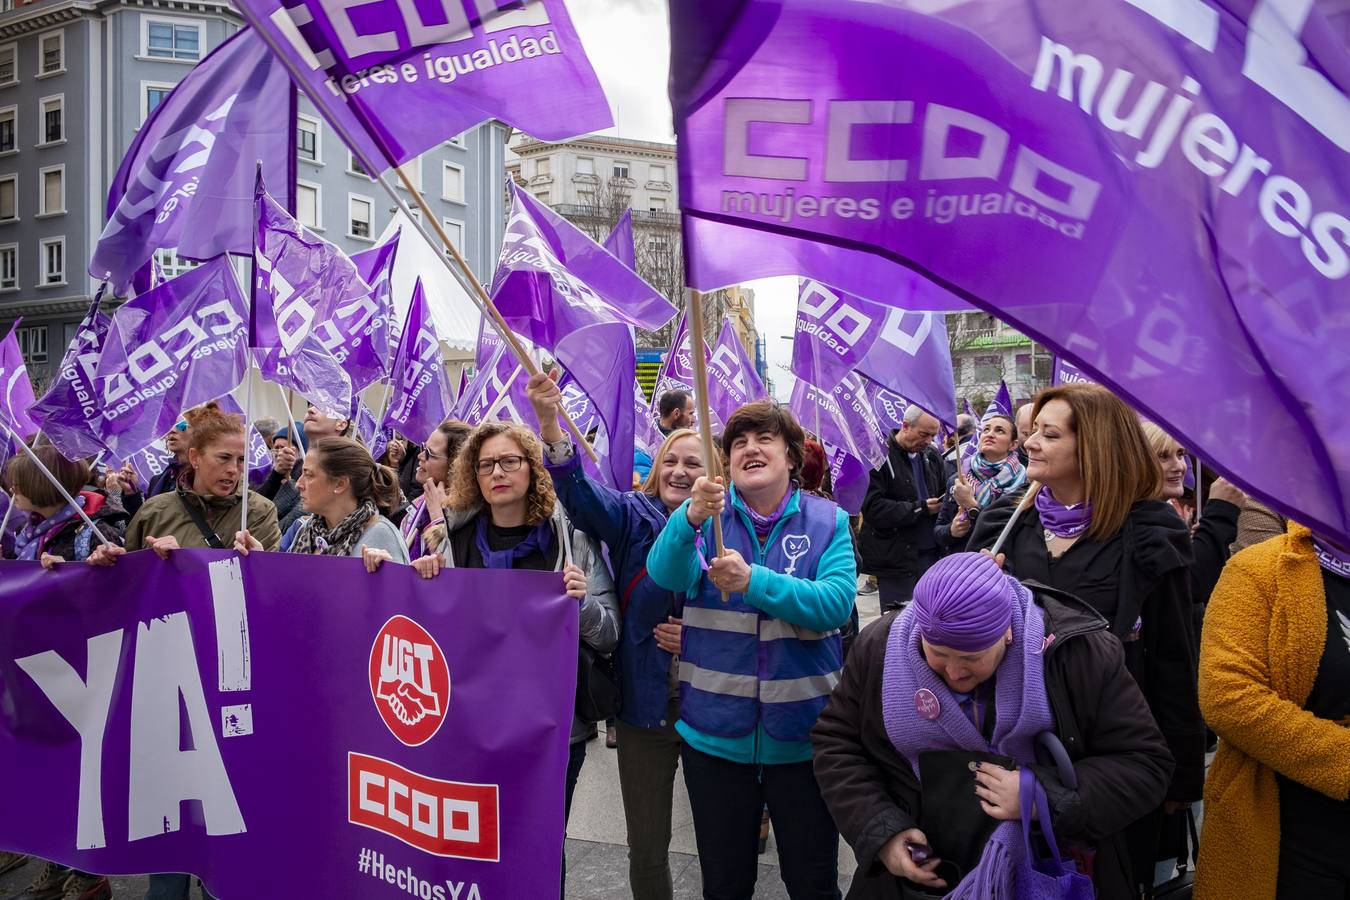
(894, 591)
(576, 756)
(728, 799)
(648, 759)
(172, 886)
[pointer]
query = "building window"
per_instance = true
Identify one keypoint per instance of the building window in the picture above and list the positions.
(359, 211)
(988, 369)
(172, 39)
(543, 197)
(656, 204)
(53, 119)
(621, 170)
(9, 120)
(52, 53)
(585, 165)
(53, 190)
(1024, 365)
(9, 198)
(9, 267)
(307, 135)
(454, 229)
(543, 167)
(452, 183)
(354, 166)
(33, 343)
(171, 265)
(153, 93)
(307, 204)
(53, 261)
(9, 64)
(413, 169)
(656, 173)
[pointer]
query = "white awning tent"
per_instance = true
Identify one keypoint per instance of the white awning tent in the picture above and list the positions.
(453, 311)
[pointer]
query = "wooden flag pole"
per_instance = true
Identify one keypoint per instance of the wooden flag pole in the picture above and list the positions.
(485, 305)
(711, 460)
(1017, 514)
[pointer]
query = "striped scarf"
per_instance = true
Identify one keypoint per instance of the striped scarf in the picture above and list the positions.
(994, 479)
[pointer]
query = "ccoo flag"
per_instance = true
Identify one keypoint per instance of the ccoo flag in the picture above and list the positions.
(70, 411)
(178, 345)
(364, 71)
(1161, 196)
(18, 399)
(904, 351)
(732, 379)
(306, 296)
(187, 179)
(421, 398)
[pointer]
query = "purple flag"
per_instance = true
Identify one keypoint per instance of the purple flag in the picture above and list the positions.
(416, 734)
(620, 240)
(187, 180)
(18, 400)
(494, 389)
(1127, 185)
(365, 71)
(149, 462)
(677, 371)
(1002, 402)
(179, 345)
(904, 351)
(732, 379)
(887, 406)
(70, 411)
(421, 398)
(357, 333)
(1067, 373)
(844, 422)
(645, 433)
(368, 427)
(302, 280)
(566, 293)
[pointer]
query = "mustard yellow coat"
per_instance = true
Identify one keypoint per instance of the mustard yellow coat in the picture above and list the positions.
(1264, 635)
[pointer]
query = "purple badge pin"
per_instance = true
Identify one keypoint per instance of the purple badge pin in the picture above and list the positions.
(926, 702)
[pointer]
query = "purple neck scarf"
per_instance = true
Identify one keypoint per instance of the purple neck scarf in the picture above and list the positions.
(32, 538)
(541, 539)
(1332, 559)
(1021, 711)
(764, 524)
(1060, 520)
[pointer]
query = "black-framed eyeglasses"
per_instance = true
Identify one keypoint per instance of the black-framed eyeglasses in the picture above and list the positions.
(508, 464)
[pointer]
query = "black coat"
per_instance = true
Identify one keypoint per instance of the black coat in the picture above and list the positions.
(1152, 584)
(1120, 758)
(893, 517)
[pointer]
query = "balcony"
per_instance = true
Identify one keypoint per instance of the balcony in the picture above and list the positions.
(641, 217)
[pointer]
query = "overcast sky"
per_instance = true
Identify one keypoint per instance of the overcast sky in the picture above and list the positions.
(629, 44)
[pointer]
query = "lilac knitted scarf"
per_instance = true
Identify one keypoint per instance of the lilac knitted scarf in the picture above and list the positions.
(1022, 712)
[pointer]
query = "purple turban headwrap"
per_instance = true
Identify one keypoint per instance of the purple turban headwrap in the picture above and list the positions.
(964, 602)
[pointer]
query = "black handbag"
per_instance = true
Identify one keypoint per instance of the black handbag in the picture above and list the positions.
(1182, 885)
(951, 817)
(597, 685)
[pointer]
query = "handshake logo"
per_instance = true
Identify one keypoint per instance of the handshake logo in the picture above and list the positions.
(409, 680)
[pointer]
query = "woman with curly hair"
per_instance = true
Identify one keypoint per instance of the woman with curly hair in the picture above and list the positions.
(501, 513)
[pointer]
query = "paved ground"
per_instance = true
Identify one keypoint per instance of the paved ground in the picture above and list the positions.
(597, 852)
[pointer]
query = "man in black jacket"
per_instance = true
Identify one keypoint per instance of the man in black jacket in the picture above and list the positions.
(900, 510)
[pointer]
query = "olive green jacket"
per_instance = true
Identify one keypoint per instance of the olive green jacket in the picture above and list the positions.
(164, 515)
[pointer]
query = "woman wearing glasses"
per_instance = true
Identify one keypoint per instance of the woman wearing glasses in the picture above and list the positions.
(501, 513)
(423, 525)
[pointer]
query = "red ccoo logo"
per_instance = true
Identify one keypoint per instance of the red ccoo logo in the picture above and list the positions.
(409, 680)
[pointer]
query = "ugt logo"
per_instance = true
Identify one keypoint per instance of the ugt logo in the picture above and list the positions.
(409, 680)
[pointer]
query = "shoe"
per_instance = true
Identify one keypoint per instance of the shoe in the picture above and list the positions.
(764, 833)
(49, 884)
(869, 586)
(11, 861)
(83, 886)
(611, 737)
(594, 734)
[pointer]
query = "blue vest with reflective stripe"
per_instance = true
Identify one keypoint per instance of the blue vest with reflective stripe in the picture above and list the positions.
(739, 664)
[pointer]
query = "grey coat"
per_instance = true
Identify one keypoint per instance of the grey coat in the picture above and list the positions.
(599, 611)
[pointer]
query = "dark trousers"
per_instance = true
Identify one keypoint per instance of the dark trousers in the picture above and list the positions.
(728, 799)
(895, 591)
(172, 887)
(648, 759)
(576, 756)
(1311, 872)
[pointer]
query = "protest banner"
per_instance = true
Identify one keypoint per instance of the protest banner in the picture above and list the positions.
(242, 720)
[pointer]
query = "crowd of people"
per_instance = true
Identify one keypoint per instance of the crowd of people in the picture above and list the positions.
(1071, 623)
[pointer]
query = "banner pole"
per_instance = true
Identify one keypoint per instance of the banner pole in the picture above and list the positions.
(292, 426)
(1017, 514)
(248, 425)
(711, 462)
(23, 445)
